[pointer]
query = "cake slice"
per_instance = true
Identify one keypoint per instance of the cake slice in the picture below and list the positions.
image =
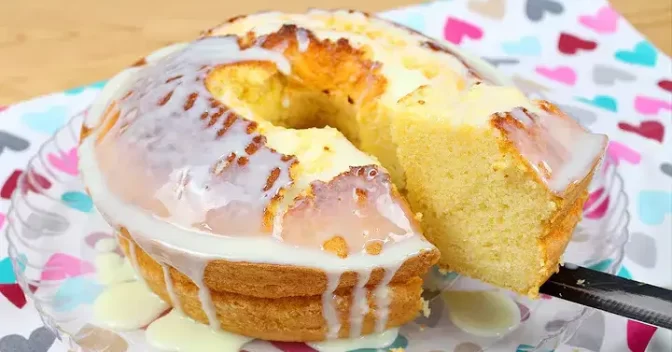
(500, 180)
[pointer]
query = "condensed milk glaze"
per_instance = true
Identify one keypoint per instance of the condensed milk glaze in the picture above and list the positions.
(160, 124)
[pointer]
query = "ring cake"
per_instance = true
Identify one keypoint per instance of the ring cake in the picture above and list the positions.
(275, 177)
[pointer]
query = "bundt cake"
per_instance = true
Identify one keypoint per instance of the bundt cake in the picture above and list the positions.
(275, 177)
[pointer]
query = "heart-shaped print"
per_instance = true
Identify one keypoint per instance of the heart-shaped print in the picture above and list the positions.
(40, 340)
(45, 224)
(654, 206)
(528, 86)
(569, 44)
(501, 61)
(665, 84)
(65, 161)
(593, 210)
(562, 74)
(455, 30)
(591, 334)
(7, 275)
(78, 200)
(607, 76)
(2, 220)
(48, 121)
(605, 264)
(12, 142)
(647, 129)
(602, 101)
(74, 292)
(292, 346)
(643, 54)
(494, 9)
(35, 183)
(651, 106)
(525, 46)
(641, 249)
(93, 338)
(61, 266)
(639, 335)
(77, 90)
(535, 9)
(14, 294)
(3, 107)
(666, 168)
(583, 116)
(618, 151)
(604, 21)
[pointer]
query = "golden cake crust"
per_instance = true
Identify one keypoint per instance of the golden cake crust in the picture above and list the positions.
(282, 303)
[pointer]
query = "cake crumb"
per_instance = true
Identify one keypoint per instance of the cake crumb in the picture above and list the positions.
(422, 327)
(397, 349)
(426, 311)
(336, 245)
(418, 216)
(443, 271)
(580, 282)
(374, 247)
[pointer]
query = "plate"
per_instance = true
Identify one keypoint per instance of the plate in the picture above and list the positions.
(56, 238)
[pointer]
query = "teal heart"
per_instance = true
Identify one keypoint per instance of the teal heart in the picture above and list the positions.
(77, 200)
(76, 291)
(48, 121)
(527, 348)
(7, 275)
(604, 265)
(400, 342)
(644, 54)
(525, 46)
(601, 101)
(415, 21)
(653, 206)
(77, 90)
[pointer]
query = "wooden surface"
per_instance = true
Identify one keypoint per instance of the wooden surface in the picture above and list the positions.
(50, 45)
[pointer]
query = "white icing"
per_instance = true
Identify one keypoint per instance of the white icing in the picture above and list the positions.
(176, 332)
(482, 313)
(360, 304)
(302, 39)
(174, 299)
(206, 303)
(372, 341)
(382, 298)
(329, 311)
(111, 268)
(127, 306)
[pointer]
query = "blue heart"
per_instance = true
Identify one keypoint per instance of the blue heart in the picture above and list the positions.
(601, 101)
(77, 90)
(527, 348)
(653, 206)
(604, 265)
(46, 121)
(644, 54)
(525, 46)
(7, 275)
(400, 342)
(415, 21)
(77, 200)
(76, 291)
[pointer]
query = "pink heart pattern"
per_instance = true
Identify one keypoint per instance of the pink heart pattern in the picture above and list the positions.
(651, 106)
(455, 30)
(65, 161)
(618, 151)
(61, 266)
(604, 21)
(562, 74)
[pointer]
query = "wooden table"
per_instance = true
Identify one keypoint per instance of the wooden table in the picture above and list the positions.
(46, 46)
